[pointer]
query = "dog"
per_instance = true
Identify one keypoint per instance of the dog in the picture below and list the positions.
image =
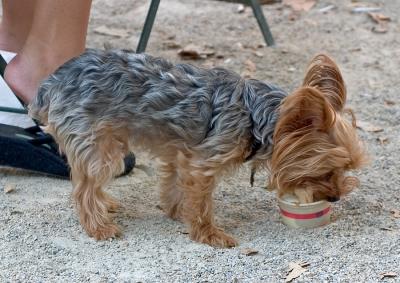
(201, 124)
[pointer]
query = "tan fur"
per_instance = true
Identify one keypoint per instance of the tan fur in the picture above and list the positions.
(314, 145)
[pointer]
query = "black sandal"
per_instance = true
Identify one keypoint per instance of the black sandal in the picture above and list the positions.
(32, 149)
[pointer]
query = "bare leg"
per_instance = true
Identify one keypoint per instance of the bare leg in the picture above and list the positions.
(16, 23)
(58, 33)
(171, 196)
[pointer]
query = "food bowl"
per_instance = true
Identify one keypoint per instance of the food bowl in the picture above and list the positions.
(308, 215)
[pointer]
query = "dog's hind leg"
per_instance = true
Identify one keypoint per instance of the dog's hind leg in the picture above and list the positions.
(93, 164)
(171, 196)
(197, 184)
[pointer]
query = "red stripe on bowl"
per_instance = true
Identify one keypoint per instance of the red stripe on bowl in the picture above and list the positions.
(305, 216)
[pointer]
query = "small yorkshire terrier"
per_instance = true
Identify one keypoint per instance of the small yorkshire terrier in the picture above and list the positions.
(200, 123)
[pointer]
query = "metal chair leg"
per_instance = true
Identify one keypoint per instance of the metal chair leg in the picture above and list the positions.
(148, 25)
(262, 22)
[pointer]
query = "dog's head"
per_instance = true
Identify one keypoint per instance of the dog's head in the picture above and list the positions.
(314, 143)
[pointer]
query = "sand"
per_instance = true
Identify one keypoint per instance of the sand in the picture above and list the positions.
(42, 241)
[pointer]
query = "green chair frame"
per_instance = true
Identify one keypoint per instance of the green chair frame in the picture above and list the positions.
(151, 15)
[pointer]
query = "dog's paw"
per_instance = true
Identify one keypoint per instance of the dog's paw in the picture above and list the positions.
(173, 212)
(105, 232)
(113, 206)
(215, 237)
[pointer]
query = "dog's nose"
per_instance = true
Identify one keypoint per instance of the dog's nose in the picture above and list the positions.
(333, 199)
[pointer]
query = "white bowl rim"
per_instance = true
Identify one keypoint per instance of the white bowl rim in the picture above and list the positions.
(303, 204)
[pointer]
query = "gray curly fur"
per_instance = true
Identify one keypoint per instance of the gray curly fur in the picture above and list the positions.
(154, 99)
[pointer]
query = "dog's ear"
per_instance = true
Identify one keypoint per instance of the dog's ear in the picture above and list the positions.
(305, 109)
(324, 74)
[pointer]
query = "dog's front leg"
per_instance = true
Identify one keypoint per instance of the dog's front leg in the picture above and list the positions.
(197, 207)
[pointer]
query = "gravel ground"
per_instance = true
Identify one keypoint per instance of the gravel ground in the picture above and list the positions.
(42, 241)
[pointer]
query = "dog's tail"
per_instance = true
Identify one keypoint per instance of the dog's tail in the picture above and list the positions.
(324, 74)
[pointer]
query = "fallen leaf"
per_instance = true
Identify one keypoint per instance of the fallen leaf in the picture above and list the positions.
(293, 16)
(194, 52)
(295, 270)
(239, 45)
(389, 102)
(326, 9)
(190, 51)
(382, 140)
(364, 8)
(379, 18)
(111, 31)
(356, 49)
(380, 29)
(8, 188)
(249, 252)
(300, 5)
(388, 275)
(171, 44)
(250, 66)
(241, 8)
(368, 127)
(386, 229)
(395, 213)
(259, 54)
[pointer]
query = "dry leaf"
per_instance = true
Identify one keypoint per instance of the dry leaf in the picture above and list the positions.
(259, 54)
(364, 8)
(355, 49)
(295, 270)
(383, 140)
(111, 31)
(190, 51)
(8, 188)
(386, 229)
(389, 102)
(379, 18)
(388, 275)
(380, 29)
(250, 66)
(326, 9)
(171, 44)
(368, 127)
(241, 8)
(194, 52)
(249, 252)
(395, 213)
(300, 5)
